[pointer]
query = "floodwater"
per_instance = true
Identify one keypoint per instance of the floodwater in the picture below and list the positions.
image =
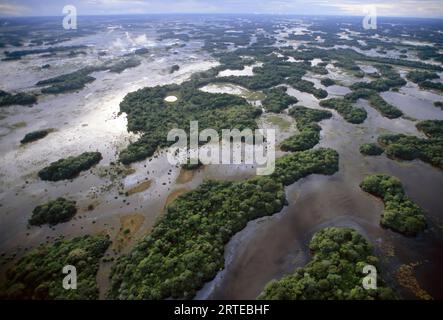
(268, 248)
(87, 120)
(272, 247)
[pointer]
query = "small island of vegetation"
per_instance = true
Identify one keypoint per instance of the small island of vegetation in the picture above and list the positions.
(70, 167)
(334, 273)
(53, 212)
(21, 98)
(345, 108)
(404, 147)
(400, 213)
(309, 135)
(371, 149)
(278, 100)
(35, 135)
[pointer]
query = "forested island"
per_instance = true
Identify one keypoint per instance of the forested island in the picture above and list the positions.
(277, 100)
(309, 135)
(35, 135)
(404, 147)
(400, 213)
(371, 149)
(53, 212)
(70, 167)
(148, 113)
(351, 114)
(334, 273)
(9, 99)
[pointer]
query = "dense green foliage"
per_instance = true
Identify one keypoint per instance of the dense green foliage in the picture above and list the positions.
(327, 82)
(273, 72)
(438, 104)
(377, 102)
(149, 114)
(67, 82)
(371, 149)
(307, 86)
(431, 128)
(53, 212)
(344, 107)
(185, 249)
(431, 85)
(405, 147)
(277, 100)
(38, 275)
(35, 135)
(70, 167)
(297, 165)
(334, 273)
(421, 76)
(77, 80)
(24, 99)
(309, 135)
(400, 213)
(390, 79)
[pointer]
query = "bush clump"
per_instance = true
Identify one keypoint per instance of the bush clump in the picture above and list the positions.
(53, 212)
(35, 135)
(371, 149)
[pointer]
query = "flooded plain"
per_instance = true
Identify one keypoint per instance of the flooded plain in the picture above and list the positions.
(113, 198)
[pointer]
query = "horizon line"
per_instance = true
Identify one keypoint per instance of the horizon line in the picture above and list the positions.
(221, 13)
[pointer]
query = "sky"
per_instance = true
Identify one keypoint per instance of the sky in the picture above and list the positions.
(406, 8)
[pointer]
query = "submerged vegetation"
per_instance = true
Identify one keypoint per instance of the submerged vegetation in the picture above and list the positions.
(309, 135)
(400, 213)
(335, 271)
(38, 275)
(70, 167)
(53, 212)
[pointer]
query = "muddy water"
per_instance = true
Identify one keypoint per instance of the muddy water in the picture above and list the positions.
(274, 246)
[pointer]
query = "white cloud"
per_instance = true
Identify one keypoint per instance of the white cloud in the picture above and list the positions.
(13, 9)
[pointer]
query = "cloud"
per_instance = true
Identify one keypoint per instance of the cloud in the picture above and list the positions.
(13, 9)
(424, 8)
